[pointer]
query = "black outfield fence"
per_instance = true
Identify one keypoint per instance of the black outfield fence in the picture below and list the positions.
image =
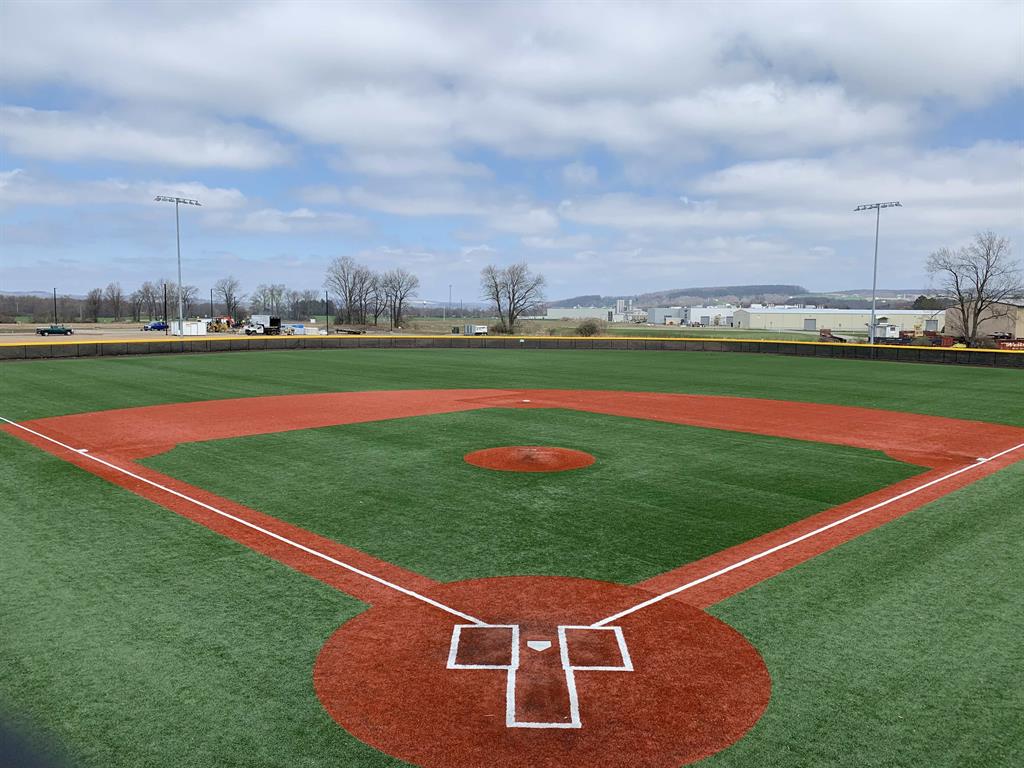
(40, 350)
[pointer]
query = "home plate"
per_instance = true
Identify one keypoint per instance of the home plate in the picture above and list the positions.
(407, 679)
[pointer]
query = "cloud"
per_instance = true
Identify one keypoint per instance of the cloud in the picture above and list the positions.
(522, 80)
(514, 216)
(20, 188)
(579, 174)
(277, 221)
(63, 136)
(408, 164)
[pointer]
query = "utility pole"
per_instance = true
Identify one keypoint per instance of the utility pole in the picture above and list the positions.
(877, 208)
(327, 311)
(167, 329)
(177, 229)
(211, 303)
(54, 306)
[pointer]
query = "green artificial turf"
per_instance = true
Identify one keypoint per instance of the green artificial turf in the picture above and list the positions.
(899, 649)
(659, 495)
(31, 389)
(133, 637)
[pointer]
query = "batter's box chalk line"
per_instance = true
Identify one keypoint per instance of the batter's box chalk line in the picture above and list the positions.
(502, 650)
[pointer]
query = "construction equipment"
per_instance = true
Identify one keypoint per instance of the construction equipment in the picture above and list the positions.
(825, 334)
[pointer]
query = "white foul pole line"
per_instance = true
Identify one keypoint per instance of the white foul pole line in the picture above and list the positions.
(284, 540)
(798, 539)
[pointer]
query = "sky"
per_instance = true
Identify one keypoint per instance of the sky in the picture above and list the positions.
(617, 148)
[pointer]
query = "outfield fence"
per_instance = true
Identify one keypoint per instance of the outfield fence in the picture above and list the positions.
(37, 350)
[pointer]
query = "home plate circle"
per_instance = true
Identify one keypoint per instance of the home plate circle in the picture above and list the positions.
(536, 684)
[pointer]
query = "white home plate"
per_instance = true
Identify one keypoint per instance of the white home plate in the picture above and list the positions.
(538, 645)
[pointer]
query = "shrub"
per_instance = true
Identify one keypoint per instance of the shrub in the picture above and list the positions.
(591, 328)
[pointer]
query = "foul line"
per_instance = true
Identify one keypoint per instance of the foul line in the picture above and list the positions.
(365, 574)
(798, 539)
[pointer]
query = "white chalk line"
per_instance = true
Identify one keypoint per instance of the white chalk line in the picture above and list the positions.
(83, 452)
(798, 539)
(569, 670)
(614, 617)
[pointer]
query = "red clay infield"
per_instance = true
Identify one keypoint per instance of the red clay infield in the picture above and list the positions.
(387, 676)
(530, 458)
(696, 685)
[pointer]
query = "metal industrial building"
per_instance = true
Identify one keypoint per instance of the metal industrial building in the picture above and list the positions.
(799, 319)
(1003, 318)
(718, 315)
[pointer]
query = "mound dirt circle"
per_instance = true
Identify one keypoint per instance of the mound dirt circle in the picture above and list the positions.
(530, 458)
(539, 686)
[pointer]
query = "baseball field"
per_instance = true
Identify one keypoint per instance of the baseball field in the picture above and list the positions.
(510, 558)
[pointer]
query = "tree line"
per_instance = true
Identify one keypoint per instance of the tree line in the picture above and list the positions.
(359, 294)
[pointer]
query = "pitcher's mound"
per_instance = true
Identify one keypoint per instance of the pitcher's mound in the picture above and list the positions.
(530, 458)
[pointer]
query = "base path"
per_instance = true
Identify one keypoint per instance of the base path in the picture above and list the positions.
(535, 671)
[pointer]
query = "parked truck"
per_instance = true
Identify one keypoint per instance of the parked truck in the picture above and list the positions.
(263, 324)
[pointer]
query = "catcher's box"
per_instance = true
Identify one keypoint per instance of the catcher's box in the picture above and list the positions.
(540, 689)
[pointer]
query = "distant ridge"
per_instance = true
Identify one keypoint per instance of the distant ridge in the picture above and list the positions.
(717, 292)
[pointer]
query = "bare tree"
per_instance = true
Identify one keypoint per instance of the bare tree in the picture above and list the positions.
(188, 297)
(514, 291)
(492, 281)
(260, 299)
(275, 298)
(378, 299)
(340, 280)
(978, 278)
(362, 288)
(115, 298)
(399, 285)
(150, 297)
(93, 304)
(135, 303)
(228, 289)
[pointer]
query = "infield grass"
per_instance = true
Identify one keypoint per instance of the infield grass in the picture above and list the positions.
(659, 495)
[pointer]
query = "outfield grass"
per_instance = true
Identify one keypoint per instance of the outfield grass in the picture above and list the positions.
(659, 495)
(900, 648)
(46, 388)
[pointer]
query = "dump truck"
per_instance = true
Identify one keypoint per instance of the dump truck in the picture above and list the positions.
(266, 325)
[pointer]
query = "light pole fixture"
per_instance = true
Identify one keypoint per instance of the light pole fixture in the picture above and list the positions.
(877, 208)
(177, 228)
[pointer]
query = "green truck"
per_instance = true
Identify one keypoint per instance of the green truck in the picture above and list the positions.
(55, 330)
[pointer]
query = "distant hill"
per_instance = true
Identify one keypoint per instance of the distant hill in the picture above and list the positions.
(687, 295)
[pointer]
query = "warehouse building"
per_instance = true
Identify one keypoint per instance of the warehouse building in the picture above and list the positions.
(721, 315)
(1002, 319)
(850, 320)
(666, 315)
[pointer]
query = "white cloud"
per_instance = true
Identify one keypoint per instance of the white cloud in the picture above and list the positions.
(63, 136)
(635, 78)
(407, 164)
(273, 220)
(20, 188)
(579, 174)
(498, 214)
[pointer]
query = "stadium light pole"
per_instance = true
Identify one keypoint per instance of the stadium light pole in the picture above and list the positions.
(178, 201)
(877, 208)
